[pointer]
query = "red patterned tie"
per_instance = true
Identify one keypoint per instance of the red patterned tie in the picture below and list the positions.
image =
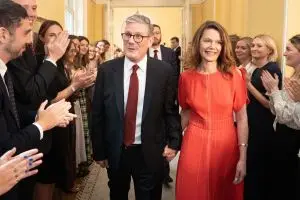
(131, 108)
(155, 54)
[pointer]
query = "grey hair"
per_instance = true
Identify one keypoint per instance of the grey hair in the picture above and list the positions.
(141, 19)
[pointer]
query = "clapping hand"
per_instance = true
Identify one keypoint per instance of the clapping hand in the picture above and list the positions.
(82, 79)
(56, 114)
(293, 88)
(14, 169)
(269, 82)
(56, 48)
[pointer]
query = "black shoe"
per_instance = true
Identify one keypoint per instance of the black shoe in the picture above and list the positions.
(169, 179)
(167, 185)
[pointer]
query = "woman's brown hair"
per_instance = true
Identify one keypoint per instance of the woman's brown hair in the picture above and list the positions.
(81, 61)
(295, 40)
(225, 60)
(39, 48)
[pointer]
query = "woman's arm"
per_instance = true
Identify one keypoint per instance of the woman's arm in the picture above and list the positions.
(80, 80)
(242, 131)
(259, 97)
(185, 116)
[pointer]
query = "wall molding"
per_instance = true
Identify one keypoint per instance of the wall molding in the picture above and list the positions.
(148, 3)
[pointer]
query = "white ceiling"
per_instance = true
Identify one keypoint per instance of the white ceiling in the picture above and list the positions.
(130, 3)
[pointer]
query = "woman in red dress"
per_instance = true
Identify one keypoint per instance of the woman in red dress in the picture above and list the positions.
(212, 162)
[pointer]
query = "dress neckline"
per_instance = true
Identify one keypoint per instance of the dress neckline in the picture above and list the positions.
(210, 74)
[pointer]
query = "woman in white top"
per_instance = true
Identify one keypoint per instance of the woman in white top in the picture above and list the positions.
(287, 110)
(287, 123)
(243, 54)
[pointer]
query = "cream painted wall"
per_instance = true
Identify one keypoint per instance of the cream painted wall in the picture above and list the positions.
(168, 18)
(95, 15)
(230, 13)
(54, 10)
(91, 7)
(293, 27)
(271, 22)
(197, 18)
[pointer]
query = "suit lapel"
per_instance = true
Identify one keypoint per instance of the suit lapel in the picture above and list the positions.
(6, 99)
(162, 52)
(150, 81)
(119, 85)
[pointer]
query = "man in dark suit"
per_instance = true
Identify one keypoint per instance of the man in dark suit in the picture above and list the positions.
(135, 121)
(160, 52)
(177, 49)
(31, 81)
(15, 33)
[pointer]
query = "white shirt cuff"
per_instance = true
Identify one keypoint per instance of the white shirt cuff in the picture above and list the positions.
(54, 63)
(40, 130)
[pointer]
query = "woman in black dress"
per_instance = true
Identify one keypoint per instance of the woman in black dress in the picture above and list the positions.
(260, 120)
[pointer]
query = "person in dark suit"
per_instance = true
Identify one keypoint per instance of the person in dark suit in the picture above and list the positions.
(160, 52)
(177, 49)
(135, 123)
(15, 33)
(31, 81)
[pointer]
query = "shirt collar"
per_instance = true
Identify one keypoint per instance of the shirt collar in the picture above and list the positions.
(3, 68)
(142, 64)
(158, 49)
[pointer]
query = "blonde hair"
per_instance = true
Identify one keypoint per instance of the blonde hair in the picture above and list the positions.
(271, 45)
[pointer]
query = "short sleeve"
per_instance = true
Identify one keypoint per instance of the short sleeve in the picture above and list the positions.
(182, 92)
(240, 90)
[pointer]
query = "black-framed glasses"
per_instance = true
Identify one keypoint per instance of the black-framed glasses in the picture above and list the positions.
(137, 37)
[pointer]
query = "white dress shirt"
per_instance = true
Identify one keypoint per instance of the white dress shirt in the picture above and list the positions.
(141, 73)
(3, 69)
(151, 52)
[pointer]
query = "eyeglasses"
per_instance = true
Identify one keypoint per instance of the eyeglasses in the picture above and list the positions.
(137, 37)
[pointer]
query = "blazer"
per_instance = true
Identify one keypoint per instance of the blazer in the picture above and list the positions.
(169, 56)
(12, 136)
(160, 118)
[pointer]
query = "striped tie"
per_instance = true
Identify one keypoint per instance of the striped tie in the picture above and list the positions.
(11, 94)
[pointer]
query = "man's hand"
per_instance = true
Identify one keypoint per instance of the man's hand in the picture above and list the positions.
(56, 49)
(13, 169)
(103, 163)
(169, 153)
(54, 115)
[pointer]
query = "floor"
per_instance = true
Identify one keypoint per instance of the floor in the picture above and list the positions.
(94, 186)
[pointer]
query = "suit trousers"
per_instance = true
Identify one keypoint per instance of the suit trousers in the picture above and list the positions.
(147, 185)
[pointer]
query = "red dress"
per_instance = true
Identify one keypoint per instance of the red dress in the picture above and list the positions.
(210, 151)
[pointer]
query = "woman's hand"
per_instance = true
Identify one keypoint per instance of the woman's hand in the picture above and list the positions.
(240, 172)
(82, 79)
(270, 83)
(293, 88)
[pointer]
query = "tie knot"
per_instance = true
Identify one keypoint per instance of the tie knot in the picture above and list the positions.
(135, 68)
(155, 51)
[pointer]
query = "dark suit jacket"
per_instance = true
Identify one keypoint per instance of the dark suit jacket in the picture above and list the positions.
(160, 118)
(169, 56)
(178, 53)
(31, 80)
(10, 134)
